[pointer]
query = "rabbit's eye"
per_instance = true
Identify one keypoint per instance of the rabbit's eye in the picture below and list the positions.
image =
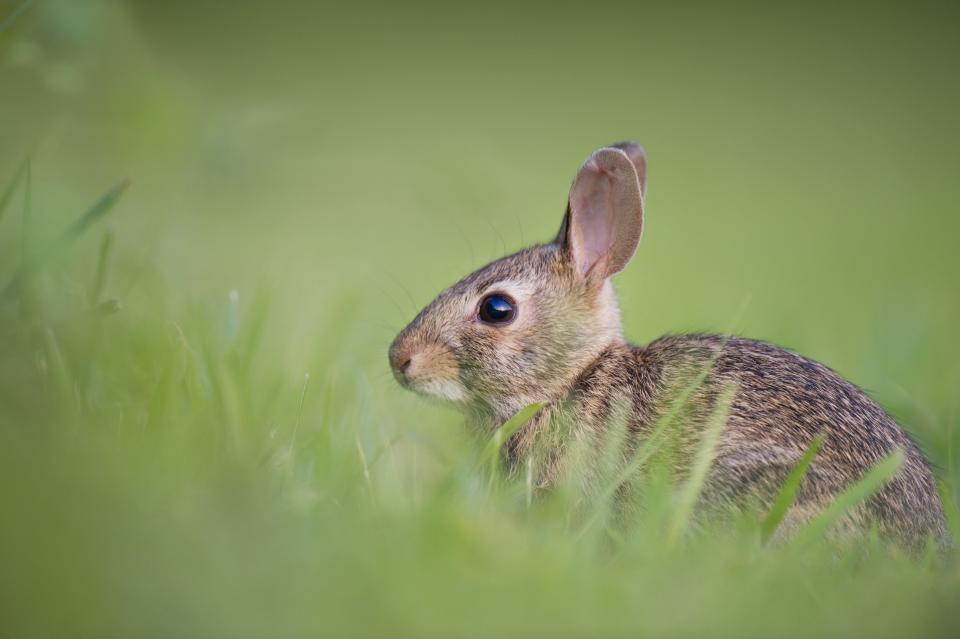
(497, 309)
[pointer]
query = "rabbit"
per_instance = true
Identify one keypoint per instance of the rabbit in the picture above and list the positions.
(543, 326)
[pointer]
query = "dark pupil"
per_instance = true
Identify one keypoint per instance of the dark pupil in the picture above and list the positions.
(496, 308)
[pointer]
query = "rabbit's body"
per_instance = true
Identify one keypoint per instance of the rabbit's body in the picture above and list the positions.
(543, 326)
(782, 401)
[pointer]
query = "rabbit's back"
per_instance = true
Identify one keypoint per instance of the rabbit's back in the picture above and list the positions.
(782, 402)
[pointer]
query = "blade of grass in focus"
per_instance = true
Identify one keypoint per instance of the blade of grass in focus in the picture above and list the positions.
(788, 491)
(881, 472)
(490, 455)
(700, 468)
(654, 441)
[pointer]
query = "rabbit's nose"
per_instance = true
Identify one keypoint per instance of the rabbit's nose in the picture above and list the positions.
(400, 359)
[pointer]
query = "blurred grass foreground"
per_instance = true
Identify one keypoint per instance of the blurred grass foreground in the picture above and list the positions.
(214, 217)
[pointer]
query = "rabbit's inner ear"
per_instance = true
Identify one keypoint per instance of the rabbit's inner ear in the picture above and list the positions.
(605, 214)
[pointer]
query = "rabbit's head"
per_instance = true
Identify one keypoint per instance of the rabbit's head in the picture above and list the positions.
(522, 329)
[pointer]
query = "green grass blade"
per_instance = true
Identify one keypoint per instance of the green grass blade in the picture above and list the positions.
(7, 22)
(788, 492)
(99, 209)
(57, 365)
(882, 472)
(702, 462)
(100, 277)
(505, 432)
(655, 440)
(950, 510)
(296, 424)
(251, 333)
(26, 240)
(11, 189)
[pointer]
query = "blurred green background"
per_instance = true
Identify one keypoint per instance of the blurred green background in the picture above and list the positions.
(228, 455)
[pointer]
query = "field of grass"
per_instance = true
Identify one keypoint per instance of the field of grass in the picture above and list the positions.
(213, 222)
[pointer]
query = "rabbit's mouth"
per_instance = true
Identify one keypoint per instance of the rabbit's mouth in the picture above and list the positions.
(444, 389)
(448, 389)
(429, 369)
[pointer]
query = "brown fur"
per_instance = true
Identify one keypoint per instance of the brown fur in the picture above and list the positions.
(565, 348)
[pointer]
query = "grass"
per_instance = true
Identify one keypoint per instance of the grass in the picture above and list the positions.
(788, 491)
(199, 433)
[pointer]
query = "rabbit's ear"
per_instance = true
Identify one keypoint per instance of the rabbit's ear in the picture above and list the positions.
(605, 213)
(639, 158)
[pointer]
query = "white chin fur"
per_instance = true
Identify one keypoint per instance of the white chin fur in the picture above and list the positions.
(444, 389)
